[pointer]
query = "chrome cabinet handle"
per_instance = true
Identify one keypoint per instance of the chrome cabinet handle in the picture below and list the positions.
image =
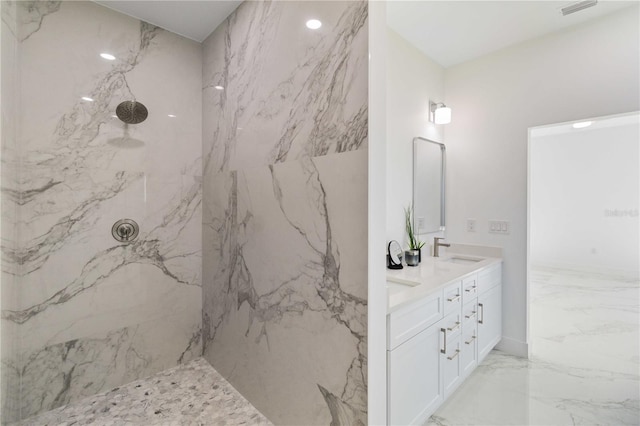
(481, 319)
(444, 349)
(455, 327)
(472, 314)
(470, 341)
(454, 355)
(470, 289)
(453, 299)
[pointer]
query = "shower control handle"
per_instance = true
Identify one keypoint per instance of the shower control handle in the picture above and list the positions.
(125, 230)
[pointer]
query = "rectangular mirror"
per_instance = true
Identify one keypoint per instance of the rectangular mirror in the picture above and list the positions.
(428, 185)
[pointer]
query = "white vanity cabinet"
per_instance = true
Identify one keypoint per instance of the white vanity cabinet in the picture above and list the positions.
(435, 342)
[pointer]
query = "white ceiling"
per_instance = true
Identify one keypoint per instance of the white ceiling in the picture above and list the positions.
(449, 32)
(452, 32)
(191, 19)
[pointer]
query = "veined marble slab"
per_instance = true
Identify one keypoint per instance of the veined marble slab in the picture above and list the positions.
(9, 288)
(284, 208)
(289, 92)
(59, 374)
(92, 313)
(277, 292)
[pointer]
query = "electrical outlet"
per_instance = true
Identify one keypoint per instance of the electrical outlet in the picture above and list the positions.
(471, 225)
(420, 224)
(499, 227)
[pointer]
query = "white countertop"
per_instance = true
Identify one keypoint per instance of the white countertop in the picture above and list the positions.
(433, 273)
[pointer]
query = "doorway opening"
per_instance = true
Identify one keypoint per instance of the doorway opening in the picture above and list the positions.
(583, 257)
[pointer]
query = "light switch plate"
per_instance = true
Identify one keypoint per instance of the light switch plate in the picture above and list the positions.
(499, 227)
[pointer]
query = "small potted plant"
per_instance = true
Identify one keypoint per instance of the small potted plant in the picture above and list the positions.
(413, 256)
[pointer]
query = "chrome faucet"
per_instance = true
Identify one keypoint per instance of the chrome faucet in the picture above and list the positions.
(437, 244)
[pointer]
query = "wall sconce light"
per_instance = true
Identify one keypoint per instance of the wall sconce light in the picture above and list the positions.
(439, 113)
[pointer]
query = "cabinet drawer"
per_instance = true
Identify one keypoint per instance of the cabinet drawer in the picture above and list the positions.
(451, 325)
(405, 323)
(489, 278)
(452, 297)
(470, 312)
(469, 288)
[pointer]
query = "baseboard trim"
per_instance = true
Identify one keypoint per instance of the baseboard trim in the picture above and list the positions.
(513, 347)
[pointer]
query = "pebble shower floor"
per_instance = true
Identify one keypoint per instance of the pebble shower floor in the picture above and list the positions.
(189, 394)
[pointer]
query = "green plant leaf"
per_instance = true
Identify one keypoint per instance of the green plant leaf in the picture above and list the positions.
(413, 241)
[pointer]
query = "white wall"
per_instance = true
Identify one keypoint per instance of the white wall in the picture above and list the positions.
(377, 292)
(576, 180)
(587, 71)
(412, 79)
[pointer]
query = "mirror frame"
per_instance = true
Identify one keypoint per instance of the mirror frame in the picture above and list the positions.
(443, 163)
(394, 258)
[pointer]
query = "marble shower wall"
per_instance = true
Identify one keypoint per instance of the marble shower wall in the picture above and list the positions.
(285, 209)
(91, 313)
(8, 220)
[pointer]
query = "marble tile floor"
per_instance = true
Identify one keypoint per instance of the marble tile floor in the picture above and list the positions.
(585, 320)
(189, 394)
(584, 367)
(508, 390)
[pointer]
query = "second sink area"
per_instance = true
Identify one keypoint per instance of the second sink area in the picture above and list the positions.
(462, 260)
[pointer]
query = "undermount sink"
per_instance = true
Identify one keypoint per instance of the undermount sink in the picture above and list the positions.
(461, 260)
(398, 283)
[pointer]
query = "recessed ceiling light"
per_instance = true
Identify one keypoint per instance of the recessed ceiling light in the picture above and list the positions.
(172, 116)
(108, 56)
(86, 98)
(218, 87)
(582, 124)
(313, 24)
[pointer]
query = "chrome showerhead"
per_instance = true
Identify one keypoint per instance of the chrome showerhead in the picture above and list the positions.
(132, 112)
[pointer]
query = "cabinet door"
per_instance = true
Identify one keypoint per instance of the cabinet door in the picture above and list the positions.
(469, 354)
(451, 365)
(414, 383)
(489, 320)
